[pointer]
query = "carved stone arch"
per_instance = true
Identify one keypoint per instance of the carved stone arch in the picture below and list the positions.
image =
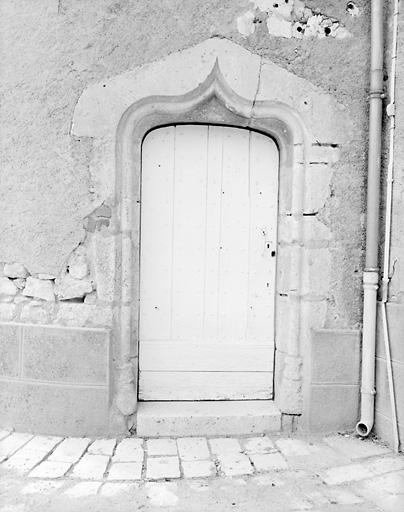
(216, 82)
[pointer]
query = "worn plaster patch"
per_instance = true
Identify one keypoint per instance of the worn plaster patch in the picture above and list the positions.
(291, 18)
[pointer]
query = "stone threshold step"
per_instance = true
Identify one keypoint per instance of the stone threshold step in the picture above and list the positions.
(176, 419)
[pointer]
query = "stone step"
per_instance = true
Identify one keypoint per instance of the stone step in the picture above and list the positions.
(176, 419)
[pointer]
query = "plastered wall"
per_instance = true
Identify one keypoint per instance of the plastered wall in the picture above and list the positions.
(54, 183)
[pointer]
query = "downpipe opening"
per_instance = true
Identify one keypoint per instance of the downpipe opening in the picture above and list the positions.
(362, 429)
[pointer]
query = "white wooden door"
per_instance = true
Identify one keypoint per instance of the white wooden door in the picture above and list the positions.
(207, 265)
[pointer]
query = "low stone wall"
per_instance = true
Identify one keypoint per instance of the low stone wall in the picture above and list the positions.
(54, 380)
(332, 381)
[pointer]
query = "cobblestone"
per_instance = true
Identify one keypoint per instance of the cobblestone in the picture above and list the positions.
(193, 448)
(258, 445)
(225, 446)
(163, 467)
(70, 449)
(235, 464)
(91, 467)
(198, 468)
(12, 443)
(102, 447)
(295, 473)
(161, 447)
(129, 450)
(50, 469)
(125, 471)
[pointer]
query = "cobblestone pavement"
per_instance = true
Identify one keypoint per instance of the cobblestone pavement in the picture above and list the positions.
(277, 473)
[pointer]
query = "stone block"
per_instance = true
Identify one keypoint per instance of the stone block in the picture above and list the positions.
(39, 289)
(54, 410)
(225, 446)
(42, 444)
(77, 265)
(104, 264)
(12, 443)
(80, 315)
(324, 154)
(235, 464)
(161, 447)
(7, 312)
(156, 419)
(317, 187)
(258, 445)
(334, 356)
(66, 355)
(37, 312)
(102, 447)
(9, 350)
(15, 270)
(91, 467)
(129, 450)
(331, 407)
(193, 448)
(22, 462)
(125, 471)
(70, 450)
(162, 467)
(198, 468)
(7, 287)
(70, 288)
(50, 469)
(316, 270)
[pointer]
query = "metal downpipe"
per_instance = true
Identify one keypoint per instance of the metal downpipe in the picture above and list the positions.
(371, 272)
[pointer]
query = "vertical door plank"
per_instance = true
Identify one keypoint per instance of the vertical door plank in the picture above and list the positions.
(156, 228)
(212, 232)
(263, 234)
(233, 248)
(189, 231)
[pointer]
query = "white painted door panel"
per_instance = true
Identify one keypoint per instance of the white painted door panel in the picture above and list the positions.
(207, 271)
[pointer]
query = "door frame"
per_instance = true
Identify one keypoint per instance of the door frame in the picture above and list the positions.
(213, 102)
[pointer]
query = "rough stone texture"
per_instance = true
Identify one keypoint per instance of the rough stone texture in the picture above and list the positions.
(70, 450)
(7, 287)
(66, 355)
(9, 350)
(39, 289)
(91, 467)
(163, 467)
(332, 380)
(54, 409)
(69, 287)
(15, 270)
